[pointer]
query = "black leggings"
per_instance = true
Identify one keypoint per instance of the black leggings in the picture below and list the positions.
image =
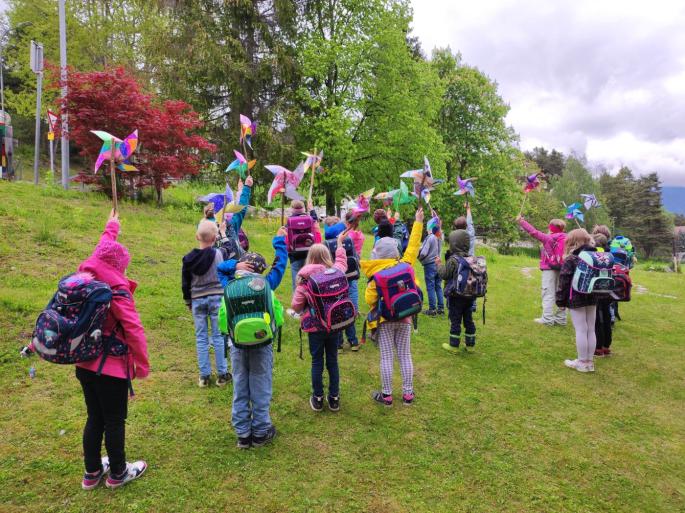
(460, 309)
(603, 325)
(107, 404)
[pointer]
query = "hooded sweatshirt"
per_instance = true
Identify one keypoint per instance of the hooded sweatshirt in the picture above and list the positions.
(551, 243)
(299, 301)
(564, 297)
(460, 242)
(431, 248)
(199, 277)
(108, 264)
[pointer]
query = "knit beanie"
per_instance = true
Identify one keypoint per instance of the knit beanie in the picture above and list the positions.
(385, 248)
(113, 254)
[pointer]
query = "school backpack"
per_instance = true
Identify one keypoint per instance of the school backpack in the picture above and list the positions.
(69, 330)
(622, 282)
(250, 316)
(470, 278)
(329, 307)
(398, 295)
(556, 259)
(352, 272)
(279, 317)
(594, 273)
(622, 249)
(229, 244)
(300, 233)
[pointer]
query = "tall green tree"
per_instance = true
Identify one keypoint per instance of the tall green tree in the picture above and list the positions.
(550, 162)
(575, 180)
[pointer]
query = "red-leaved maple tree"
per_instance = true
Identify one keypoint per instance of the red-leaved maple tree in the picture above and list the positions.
(112, 100)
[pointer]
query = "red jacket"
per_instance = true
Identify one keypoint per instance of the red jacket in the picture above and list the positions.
(122, 310)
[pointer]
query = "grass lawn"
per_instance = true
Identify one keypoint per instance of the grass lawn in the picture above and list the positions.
(504, 428)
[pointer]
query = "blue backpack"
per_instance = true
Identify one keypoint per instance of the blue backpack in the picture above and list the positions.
(594, 273)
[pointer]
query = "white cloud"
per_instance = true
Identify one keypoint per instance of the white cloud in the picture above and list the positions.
(606, 78)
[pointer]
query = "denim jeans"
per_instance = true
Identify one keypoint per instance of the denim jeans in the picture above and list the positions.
(351, 330)
(295, 267)
(320, 343)
(433, 286)
(252, 388)
(204, 308)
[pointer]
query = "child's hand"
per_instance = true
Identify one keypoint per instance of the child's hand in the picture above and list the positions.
(518, 218)
(249, 181)
(419, 215)
(282, 232)
(244, 266)
(113, 216)
(437, 260)
(397, 215)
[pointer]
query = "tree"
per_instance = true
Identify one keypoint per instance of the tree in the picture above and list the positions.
(551, 163)
(113, 101)
(574, 181)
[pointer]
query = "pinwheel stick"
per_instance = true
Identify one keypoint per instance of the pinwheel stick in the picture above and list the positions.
(311, 181)
(525, 197)
(245, 153)
(283, 202)
(113, 177)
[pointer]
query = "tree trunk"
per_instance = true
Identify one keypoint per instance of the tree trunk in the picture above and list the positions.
(331, 206)
(158, 190)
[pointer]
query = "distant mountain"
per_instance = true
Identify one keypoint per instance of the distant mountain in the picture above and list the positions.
(674, 199)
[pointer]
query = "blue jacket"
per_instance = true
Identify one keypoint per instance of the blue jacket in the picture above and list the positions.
(332, 232)
(226, 269)
(238, 217)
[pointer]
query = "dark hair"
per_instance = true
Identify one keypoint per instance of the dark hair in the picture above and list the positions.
(384, 229)
(378, 215)
(352, 218)
(459, 223)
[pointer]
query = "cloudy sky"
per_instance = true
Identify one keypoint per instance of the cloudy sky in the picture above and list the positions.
(604, 78)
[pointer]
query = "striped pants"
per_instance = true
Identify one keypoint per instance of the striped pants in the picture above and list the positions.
(396, 336)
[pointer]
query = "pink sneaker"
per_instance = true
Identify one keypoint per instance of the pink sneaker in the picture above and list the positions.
(91, 481)
(133, 471)
(408, 399)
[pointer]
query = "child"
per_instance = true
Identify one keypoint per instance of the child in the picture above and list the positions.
(229, 231)
(582, 306)
(351, 226)
(202, 293)
(208, 213)
(393, 334)
(297, 259)
(106, 392)
(603, 329)
(459, 308)
(253, 365)
(318, 260)
(551, 256)
(430, 250)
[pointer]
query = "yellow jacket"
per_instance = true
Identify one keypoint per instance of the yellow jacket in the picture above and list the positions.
(371, 267)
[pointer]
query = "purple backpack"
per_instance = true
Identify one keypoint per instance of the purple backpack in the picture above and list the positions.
(69, 330)
(329, 305)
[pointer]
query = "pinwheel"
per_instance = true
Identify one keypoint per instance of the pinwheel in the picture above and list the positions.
(590, 201)
(574, 212)
(386, 197)
(532, 183)
(247, 130)
(313, 161)
(465, 187)
(424, 182)
(433, 222)
(240, 164)
(117, 152)
(361, 204)
(286, 183)
(218, 199)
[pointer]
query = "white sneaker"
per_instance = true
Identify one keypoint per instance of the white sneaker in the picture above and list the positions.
(133, 471)
(540, 320)
(292, 313)
(90, 481)
(579, 366)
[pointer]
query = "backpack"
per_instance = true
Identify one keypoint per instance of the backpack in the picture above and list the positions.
(352, 272)
(69, 330)
(398, 295)
(594, 273)
(243, 240)
(250, 316)
(471, 278)
(622, 249)
(300, 233)
(329, 306)
(556, 259)
(401, 234)
(622, 283)
(229, 245)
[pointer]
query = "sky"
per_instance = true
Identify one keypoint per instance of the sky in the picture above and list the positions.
(601, 78)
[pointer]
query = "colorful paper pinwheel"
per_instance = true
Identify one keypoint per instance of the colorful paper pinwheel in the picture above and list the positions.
(240, 164)
(360, 204)
(424, 182)
(285, 181)
(465, 187)
(218, 199)
(313, 161)
(247, 130)
(590, 201)
(573, 211)
(122, 150)
(532, 183)
(386, 197)
(433, 222)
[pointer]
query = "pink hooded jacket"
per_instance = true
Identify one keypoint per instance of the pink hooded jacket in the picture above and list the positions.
(108, 264)
(357, 239)
(551, 243)
(299, 301)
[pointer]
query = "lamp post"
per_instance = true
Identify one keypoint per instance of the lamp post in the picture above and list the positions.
(63, 77)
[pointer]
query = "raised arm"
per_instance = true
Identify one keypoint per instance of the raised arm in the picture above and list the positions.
(470, 229)
(278, 269)
(238, 217)
(414, 239)
(534, 232)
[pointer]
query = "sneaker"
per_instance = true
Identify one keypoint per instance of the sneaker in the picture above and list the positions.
(258, 441)
(607, 351)
(355, 347)
(408, 399)
(333, 403)
(579, 366)
(316, 403)
(223, 379)
(441, 311)
(540, 320)
(599, 352)
(244, 442)
(133, 471)
(450, 348)
(292, 313)
(430, 313)
(91, 481)
(203, 382)
(379, 397)
(589, 367)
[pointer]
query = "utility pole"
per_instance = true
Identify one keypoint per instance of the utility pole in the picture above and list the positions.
(63, 78)
(37, 68)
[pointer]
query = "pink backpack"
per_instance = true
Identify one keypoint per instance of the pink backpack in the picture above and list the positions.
(556, 259)
(329, 305)
(300, 233)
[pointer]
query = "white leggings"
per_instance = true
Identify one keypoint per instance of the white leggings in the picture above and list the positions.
(584, 322)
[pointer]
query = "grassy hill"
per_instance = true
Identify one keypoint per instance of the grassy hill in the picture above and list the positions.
(504, 428)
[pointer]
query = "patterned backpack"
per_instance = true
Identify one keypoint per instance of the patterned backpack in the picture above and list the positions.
(471, 278)
(622, 283)
(329, 307)
(229, 244)
(594, 273)
(250, 316)
(300, 233)
(69, 330)
(352, 272)
(398, 295)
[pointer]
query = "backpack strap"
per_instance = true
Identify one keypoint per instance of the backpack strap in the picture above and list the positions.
(280, 332)
(485, 298)
(301, 358)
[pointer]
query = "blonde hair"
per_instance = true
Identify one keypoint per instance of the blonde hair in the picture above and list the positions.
(559, 223)
(297, 205)
(319, 254)
(209, 207)
(331, 220)
(603, 229)
(207, 231)
(577, 239)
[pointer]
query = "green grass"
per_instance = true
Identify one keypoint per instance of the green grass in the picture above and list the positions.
(505, 428)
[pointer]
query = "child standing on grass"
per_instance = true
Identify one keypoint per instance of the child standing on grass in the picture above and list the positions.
(393, 335)
(253, 364)
(551, 258)
(298, 258)
(603, 328)
(106, 391)
(583, 307)
(202, 293)
(321, 342)
(430, 250)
